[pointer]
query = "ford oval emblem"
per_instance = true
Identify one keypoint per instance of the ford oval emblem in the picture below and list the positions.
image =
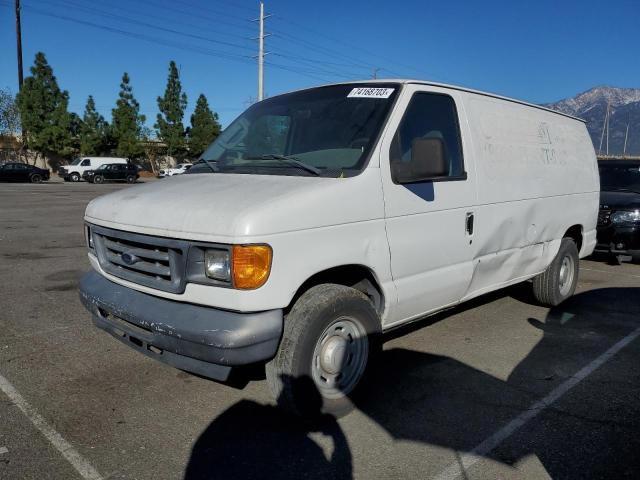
(129, 258)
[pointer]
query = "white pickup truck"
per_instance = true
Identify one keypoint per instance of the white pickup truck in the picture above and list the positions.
(322, 218)
(178, 170)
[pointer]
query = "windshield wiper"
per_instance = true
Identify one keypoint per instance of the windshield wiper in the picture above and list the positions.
(289, 159)
(213, 168)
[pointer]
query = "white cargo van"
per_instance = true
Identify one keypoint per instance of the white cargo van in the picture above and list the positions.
(73, 172)
(322, 218)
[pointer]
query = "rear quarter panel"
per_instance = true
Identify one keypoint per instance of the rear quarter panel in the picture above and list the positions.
(537, 176)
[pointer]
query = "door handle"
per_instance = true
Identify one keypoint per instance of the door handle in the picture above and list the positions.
(469, 223)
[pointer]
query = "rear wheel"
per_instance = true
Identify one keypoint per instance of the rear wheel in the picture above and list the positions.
(131, 179)
(74, 177)
(36, 178)
(329, 336)
(559, 280)
(98, 179)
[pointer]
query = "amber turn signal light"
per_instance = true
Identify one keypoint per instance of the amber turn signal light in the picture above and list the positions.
(251, 265)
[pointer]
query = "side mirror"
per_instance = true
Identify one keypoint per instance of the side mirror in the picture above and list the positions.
(428, 161)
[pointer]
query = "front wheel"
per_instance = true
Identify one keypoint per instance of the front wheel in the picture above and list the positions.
(559, 280)
(131, 179)
(36, 178)
(98, 179)
(329, 336)
(75, 177)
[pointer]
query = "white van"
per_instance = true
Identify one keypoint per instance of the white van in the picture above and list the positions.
(321, 218)
(73, 172)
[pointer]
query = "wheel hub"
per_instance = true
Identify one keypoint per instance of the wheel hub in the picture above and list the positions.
(340, 357)
(566, 275)
(333, 354)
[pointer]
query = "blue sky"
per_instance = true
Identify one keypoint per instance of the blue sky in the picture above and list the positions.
(537, 51)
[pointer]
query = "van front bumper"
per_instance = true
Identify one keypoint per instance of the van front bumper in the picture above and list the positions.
(202, 340)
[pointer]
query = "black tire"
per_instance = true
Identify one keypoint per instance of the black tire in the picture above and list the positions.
(35, 178)
(74, 177)
(131, 179)
(98, 179)
(294, 376)
(558, 282)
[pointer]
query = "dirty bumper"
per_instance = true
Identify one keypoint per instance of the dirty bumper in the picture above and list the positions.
(202, 340)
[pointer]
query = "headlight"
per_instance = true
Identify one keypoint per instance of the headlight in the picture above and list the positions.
(217, 265)
(626, 217)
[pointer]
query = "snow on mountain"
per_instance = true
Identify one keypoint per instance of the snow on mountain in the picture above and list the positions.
(624, 110)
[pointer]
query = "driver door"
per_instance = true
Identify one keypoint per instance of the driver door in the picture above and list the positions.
(430, 220)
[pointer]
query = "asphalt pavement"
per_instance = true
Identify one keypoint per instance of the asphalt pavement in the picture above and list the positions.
(496, 388)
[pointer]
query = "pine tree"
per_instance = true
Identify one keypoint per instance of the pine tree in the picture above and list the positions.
(43, 111)
(93, 130)
(205, 127)
(127, 122)
(9, 114)
(172, 106)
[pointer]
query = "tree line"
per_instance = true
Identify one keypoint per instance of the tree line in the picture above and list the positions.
(50, 130)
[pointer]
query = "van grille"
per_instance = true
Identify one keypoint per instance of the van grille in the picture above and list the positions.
(154, 262)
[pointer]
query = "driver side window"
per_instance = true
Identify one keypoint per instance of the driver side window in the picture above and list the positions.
(428, 116)
(86, 163)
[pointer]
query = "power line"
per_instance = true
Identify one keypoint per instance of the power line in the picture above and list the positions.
(325, 51)
(149, 38)
(162, 41)
(343, 43)
(171, 19)
(149, 25)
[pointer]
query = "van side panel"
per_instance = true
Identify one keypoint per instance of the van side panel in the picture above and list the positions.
(537, 176)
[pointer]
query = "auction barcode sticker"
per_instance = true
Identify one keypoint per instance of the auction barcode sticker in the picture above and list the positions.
(370, 92)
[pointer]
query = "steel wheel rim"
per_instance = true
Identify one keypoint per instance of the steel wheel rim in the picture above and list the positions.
(567, 272)
(36, 178)
(340, 357)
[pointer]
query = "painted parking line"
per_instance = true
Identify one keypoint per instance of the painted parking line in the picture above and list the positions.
(467, 460)
(82, 466)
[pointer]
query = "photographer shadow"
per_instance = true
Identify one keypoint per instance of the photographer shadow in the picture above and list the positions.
(437, 400)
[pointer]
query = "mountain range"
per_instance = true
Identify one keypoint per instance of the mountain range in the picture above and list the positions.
(592, 107)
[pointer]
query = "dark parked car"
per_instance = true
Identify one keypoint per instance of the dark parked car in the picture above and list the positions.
(21, 172)
(112, 172)
(619, 216)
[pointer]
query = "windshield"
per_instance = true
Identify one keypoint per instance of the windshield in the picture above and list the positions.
(620, 177)
(76, 161)
(103, 167)
(327, 131)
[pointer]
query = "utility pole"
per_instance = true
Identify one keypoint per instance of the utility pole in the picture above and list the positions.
(19, 44)
(626, 136)
(608, 120)
(375, 72)
(261, 52)
(605, 128)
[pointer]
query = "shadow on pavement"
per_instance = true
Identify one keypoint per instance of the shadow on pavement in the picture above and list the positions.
(591, 432)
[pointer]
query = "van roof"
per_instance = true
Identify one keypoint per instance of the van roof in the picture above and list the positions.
(463, 89)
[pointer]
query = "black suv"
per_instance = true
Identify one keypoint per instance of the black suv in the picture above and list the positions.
(619, 216)
(112, 172)
(21, 172)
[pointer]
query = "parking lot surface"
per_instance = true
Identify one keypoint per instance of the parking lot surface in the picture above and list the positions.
(496, 388)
